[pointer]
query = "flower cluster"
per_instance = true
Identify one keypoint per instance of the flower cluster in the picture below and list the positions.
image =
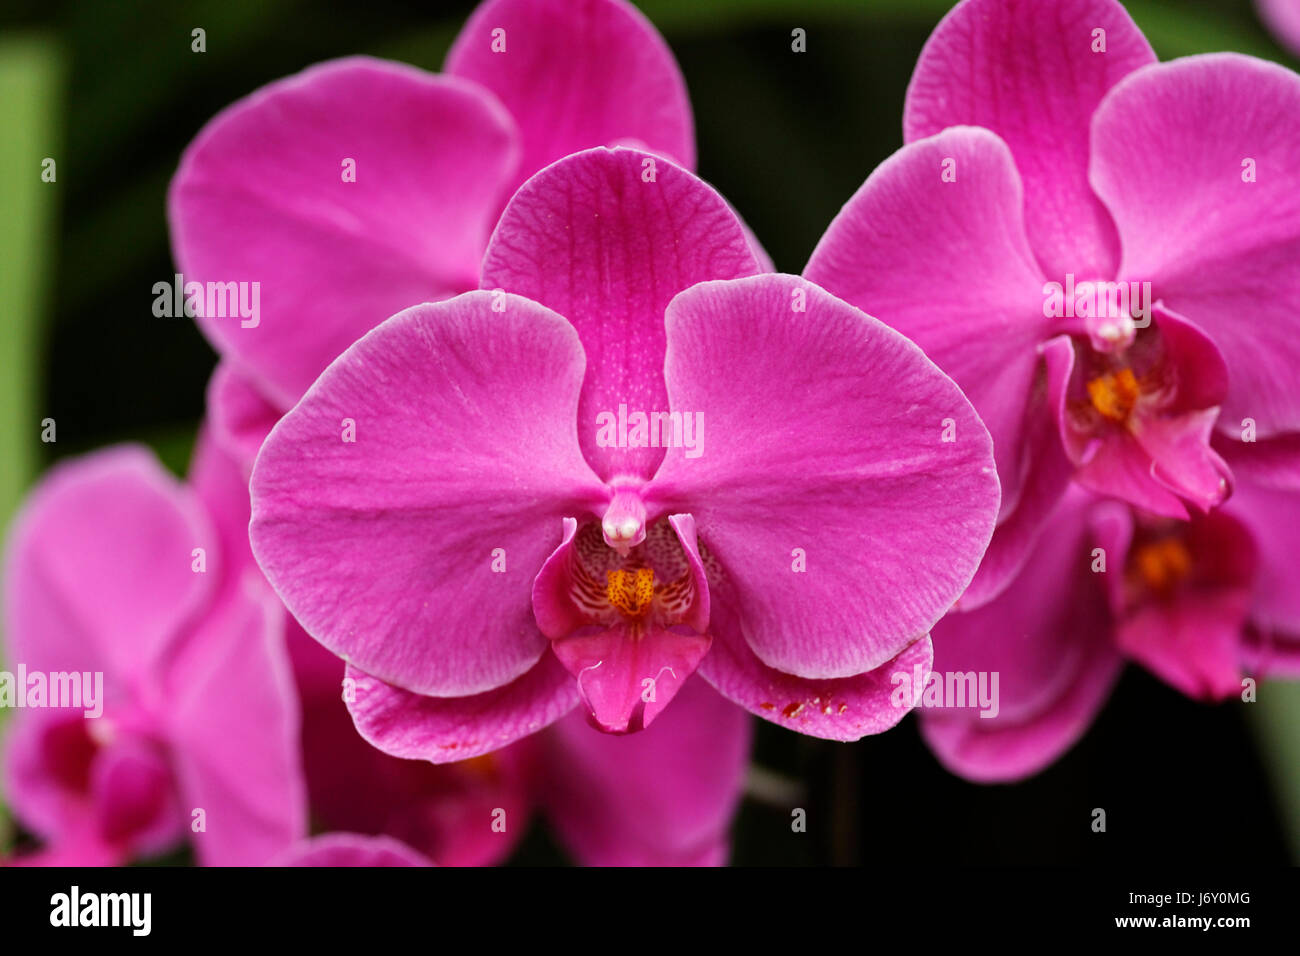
(1028, 412)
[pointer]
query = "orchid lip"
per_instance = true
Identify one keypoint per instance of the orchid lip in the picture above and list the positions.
(1137, 419)
(629, 625)
(647, 585)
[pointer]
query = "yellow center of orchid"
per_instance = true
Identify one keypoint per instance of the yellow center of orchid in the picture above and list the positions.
(631, 591)
(1162, 564)
(1114, 394)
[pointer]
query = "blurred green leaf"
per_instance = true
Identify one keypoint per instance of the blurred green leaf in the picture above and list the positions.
(1277, 722)
(30, 76)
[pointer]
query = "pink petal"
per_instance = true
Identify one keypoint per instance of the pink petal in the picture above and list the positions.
(1182, 459)
(445, 729)
(1114, 527)
(577, 74)
(1035, 633)
(1124, 469)
(613, 667)
(1047, 474)
(553, 607)
(824, 430)
(240, 416)
(1194, 645)
(847, 708)
(219, 479)
(697, 617)
(1274, 462)
(755, 247)
(591, 239)
(1201, 374)
(464, 453)
(240, 764)
(947, 264)
(1026, 70)
(1169, 147)
(1047, 638)
(351, 849)
(1006, 751)
(98, 569)
(260, 196)
(663, 797)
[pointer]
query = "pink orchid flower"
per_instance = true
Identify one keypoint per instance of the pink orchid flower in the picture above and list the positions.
(115, 568)
(360, 187)
(484, 550)
(1099, 248)
(1282, 17)
(1199, 603)
(664, 797)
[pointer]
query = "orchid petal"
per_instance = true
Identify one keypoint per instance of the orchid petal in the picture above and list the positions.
(445, 729)
(1031, 71)
(100, 572)
(662, 797)
(265, 194)
(384, 547)
(825, 444)
(1204, 194)
(606, 238)
(577, 74)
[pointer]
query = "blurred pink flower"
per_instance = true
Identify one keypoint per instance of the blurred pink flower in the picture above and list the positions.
(1049, 152)
(360, 187)
(198, 734)
(1200, 603)
(483, 560)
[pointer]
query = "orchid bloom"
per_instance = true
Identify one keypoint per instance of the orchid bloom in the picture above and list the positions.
(1099, 248)
(114, 567)
(664, 797)
(1200, 603)
(449, 511)
(359, 186)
